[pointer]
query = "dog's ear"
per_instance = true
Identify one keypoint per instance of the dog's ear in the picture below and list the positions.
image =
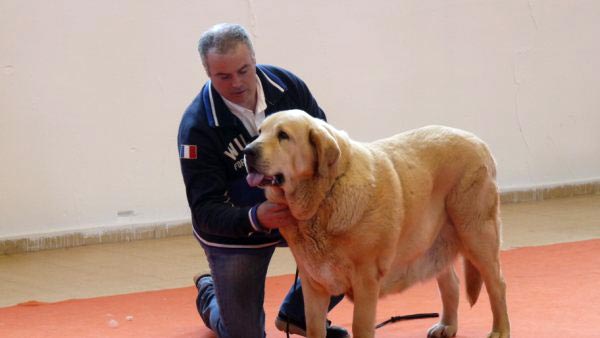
(326, 148)
(307, 195)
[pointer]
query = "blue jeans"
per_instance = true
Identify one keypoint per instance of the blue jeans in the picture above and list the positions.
(232, 306)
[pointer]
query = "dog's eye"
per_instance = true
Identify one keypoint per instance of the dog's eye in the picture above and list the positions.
(282, 136)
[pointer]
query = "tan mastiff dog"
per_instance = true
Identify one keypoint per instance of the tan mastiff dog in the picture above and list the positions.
(375, 218)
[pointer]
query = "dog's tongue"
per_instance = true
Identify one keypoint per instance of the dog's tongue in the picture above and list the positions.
(254, 179)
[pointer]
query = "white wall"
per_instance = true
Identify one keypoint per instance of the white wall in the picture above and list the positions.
(91, 92)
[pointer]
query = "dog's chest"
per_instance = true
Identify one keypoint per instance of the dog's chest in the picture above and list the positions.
(319, 260)
(328, 273)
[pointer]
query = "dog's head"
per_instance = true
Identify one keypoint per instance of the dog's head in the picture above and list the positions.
(293, 152)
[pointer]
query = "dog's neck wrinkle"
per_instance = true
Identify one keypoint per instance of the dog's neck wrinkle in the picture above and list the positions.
(333, 185)
(311, 232)
(345, 214)
(304, 200)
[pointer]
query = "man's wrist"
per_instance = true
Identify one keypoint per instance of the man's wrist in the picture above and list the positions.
(254, 222)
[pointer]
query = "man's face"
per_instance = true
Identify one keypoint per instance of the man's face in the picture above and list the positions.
(234, 75)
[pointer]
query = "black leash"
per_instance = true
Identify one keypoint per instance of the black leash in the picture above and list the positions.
(389, 321)
(407, 317)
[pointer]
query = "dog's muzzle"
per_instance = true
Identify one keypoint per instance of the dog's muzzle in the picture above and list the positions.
(255, 178)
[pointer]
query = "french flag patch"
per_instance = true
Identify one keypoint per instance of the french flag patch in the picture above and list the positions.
(188, 152)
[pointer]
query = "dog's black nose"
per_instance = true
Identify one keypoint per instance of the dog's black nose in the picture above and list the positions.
(250, 152)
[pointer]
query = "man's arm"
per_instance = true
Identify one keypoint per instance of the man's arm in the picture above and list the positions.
(207, 189)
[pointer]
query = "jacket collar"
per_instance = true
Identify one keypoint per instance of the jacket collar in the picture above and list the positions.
(219, 115)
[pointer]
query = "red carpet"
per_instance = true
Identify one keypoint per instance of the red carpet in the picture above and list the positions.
(553, 292)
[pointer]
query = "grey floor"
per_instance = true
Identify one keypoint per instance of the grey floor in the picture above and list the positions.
(110, 269)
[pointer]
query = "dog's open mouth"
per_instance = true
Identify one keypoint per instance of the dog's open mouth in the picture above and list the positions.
(257, 179)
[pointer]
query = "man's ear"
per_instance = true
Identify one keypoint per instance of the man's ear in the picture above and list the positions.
(326, 148)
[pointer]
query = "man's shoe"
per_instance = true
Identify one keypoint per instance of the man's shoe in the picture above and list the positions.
(281, 323)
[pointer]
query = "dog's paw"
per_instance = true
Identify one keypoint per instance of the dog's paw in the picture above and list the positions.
(498, 335)
(440, 330)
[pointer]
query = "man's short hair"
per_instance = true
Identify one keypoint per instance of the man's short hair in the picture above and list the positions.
(221, 39)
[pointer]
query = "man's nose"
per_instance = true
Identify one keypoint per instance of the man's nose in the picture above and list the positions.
(236, 81)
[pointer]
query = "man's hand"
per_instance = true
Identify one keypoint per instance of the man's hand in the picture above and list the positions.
(273, 215)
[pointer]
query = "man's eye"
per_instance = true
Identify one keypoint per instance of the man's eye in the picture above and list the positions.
(283, 136)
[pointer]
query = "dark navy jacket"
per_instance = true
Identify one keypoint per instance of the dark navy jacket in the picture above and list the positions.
(213, 168)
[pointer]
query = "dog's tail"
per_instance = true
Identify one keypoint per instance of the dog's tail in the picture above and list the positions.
(473, 281)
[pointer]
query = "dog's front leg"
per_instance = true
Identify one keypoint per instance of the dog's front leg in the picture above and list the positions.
(365, 288)
(316, 302)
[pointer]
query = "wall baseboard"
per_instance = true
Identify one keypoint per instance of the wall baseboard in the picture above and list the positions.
(69, 239)
(546, 192)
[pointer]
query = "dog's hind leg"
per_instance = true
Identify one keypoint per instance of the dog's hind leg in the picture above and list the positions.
(449, 290)
(484, 254)
(473, 207)
(486, 259)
